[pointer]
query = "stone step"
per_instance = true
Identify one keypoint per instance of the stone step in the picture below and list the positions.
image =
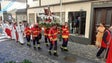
(3, 40)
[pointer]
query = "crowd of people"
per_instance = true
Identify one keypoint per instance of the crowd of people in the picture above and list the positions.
(33, 35)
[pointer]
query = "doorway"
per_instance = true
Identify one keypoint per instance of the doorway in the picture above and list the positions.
(101, 15)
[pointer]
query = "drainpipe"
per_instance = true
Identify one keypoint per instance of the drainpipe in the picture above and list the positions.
(26, 10)
(60, 11)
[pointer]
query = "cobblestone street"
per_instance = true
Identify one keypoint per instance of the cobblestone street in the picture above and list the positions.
(10, 50)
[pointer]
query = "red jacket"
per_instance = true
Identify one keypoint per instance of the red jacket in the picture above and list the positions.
(104, 44)
(53, 35)
(27, 31)
(46, 31)
(34, 31)
(65, 32)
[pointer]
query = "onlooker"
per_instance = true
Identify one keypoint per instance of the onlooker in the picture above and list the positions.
(105, 42)
(100, 32)
(77, 24)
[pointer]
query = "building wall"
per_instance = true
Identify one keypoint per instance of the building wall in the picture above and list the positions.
(34, 11)
(14, 15)
(4, 4)
(85, 6)
(20, 17)
(65, 1)
(33, 3)
(49, 2)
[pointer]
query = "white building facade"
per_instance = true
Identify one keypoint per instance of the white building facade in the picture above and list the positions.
(70, 10)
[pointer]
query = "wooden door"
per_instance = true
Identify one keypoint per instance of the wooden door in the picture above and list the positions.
(101, 15)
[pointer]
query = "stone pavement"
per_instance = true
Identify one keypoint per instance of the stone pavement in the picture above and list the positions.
(78, 53)
(85, 51)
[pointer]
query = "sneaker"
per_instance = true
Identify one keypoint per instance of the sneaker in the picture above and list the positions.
(39, 48)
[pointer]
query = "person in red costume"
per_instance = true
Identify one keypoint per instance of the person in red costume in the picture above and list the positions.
(109, 57)
(52, 35)
(16, 33)
(27, 32)
(8, 30)
(65, 36)
(35, 34)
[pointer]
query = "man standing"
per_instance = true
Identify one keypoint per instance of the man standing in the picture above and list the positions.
(53, 39)
(20, 33)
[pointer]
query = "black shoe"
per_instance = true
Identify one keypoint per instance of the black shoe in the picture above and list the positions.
(47, 45)
(65, 49)
(22, 43)
(34, 48)
(55, 54)
(39, 48)
(50, 53)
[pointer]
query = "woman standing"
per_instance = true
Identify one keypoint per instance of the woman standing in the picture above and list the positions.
(99, 35)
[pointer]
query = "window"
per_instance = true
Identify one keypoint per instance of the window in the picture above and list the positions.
(58, 15)
(31, 18)
(39, 19)
(77, 21)
(108, 17)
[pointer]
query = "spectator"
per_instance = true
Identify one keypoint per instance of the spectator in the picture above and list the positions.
(100, 32)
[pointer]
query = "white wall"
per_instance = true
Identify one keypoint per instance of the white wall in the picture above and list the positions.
(86, 6)
(71, 0)
(49, 2)
(35, 11)
(77, 7)
(33, 3)
(21, 17)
